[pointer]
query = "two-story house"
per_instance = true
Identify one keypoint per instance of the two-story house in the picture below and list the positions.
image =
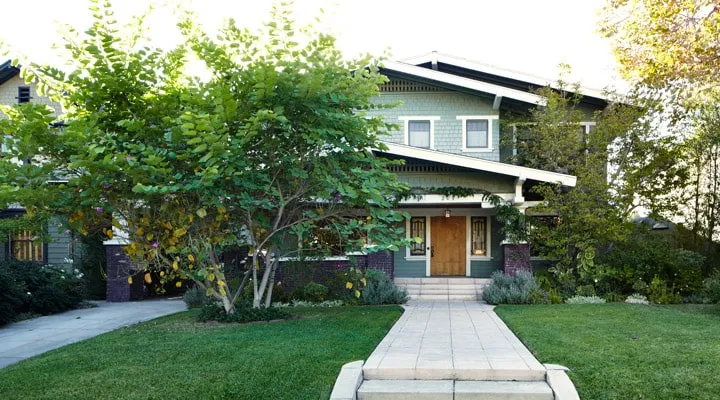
(450, 136)
(60, 249)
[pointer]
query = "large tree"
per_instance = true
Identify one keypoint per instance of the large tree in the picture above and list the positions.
(274, 146)
(624, 164)
(667, 44)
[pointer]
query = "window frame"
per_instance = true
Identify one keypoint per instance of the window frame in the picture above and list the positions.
(406, 121)
(490, 132)
(487, 234)
(408, 234)
(42, 246)
(23, 99)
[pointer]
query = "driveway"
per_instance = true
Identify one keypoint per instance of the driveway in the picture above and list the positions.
(29, 338)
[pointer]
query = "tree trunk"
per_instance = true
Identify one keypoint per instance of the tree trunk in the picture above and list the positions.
(273, 268)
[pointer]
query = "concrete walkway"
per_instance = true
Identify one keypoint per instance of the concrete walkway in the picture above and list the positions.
(450, 340)
(29, 338)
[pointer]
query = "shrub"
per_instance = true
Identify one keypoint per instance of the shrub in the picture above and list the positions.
(28, 287)
(214, 311)
(711, 289)
(315, 292)
(195, 297)
(542, 296)
(380, 289)
(13, 296)
(506, 289)
(585, 300)
(586, 290)
(637, 298)
(659, 293)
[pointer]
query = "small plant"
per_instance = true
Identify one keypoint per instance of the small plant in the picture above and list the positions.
(315, 292)
(637, 298)
(711, 287)
(381, 289)
(585, 300)
(195, 298)
(303, 303)
(506, 289)
(214, 311)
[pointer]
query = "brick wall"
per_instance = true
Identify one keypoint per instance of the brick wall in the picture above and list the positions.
(119, 268)
(516, 257)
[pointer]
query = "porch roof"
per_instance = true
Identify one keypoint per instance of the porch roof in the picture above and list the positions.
(521, 173)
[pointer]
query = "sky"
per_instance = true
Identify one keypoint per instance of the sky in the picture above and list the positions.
(528, 36)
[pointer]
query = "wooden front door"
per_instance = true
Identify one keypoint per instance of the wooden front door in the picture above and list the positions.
(448, 251)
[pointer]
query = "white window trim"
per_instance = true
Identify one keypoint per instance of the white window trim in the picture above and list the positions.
(490, 119)
(406, 120)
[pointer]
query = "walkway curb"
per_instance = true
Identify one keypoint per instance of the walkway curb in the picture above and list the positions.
(348, 381)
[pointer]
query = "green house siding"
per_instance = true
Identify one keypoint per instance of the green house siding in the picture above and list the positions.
(407, 268)
(446, 105)
(59, 247)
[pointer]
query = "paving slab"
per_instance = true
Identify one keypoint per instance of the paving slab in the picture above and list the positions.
(32, 337)
(463, 340)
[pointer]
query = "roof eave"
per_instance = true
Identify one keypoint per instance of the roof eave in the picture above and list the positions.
(479, 164)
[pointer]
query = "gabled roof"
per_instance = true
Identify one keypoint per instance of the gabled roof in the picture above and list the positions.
(480, 164)
(437, 77)
(7, 71)
(490, 74)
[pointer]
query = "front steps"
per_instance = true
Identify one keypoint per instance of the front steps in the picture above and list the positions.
(436, 288)
(453, 390)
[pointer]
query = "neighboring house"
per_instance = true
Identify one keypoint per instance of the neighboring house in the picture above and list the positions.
(450, 136)
(20, 245)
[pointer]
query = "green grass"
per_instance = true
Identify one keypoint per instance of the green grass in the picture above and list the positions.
(177, 358)
(675, 353)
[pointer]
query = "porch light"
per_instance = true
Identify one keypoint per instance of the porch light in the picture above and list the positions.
(447, 213)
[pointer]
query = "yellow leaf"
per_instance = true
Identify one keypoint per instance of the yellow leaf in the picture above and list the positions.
(109, 233)
(149, 236)
(162, 273)
(222, 292)
(191, 258)
(148, 278)
(364, 281)
(211, 277)
(140, 231)
(180, 232)
(130, 280)
(221, 283)
(178, 284)
(348, 285)
(175, 265)
(357, 293)
(201, 213)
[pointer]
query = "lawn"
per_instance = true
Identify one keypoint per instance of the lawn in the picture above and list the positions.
(626, 351)
(177, 358)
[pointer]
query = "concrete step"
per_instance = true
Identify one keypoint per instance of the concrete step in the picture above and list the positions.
(470, 390)
(458, 390)
(458, 297)
(406, 389)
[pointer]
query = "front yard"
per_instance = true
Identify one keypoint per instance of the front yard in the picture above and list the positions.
(626, 351)
(177, 358)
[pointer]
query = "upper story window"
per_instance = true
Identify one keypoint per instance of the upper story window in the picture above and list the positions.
(420, 131)
(23, 94)
(477, 132)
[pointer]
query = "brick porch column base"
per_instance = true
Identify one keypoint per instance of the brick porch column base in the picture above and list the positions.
(382, 261)
(119, 268)
(516, 257)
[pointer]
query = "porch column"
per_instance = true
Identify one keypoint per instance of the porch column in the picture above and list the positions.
(516, 257)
